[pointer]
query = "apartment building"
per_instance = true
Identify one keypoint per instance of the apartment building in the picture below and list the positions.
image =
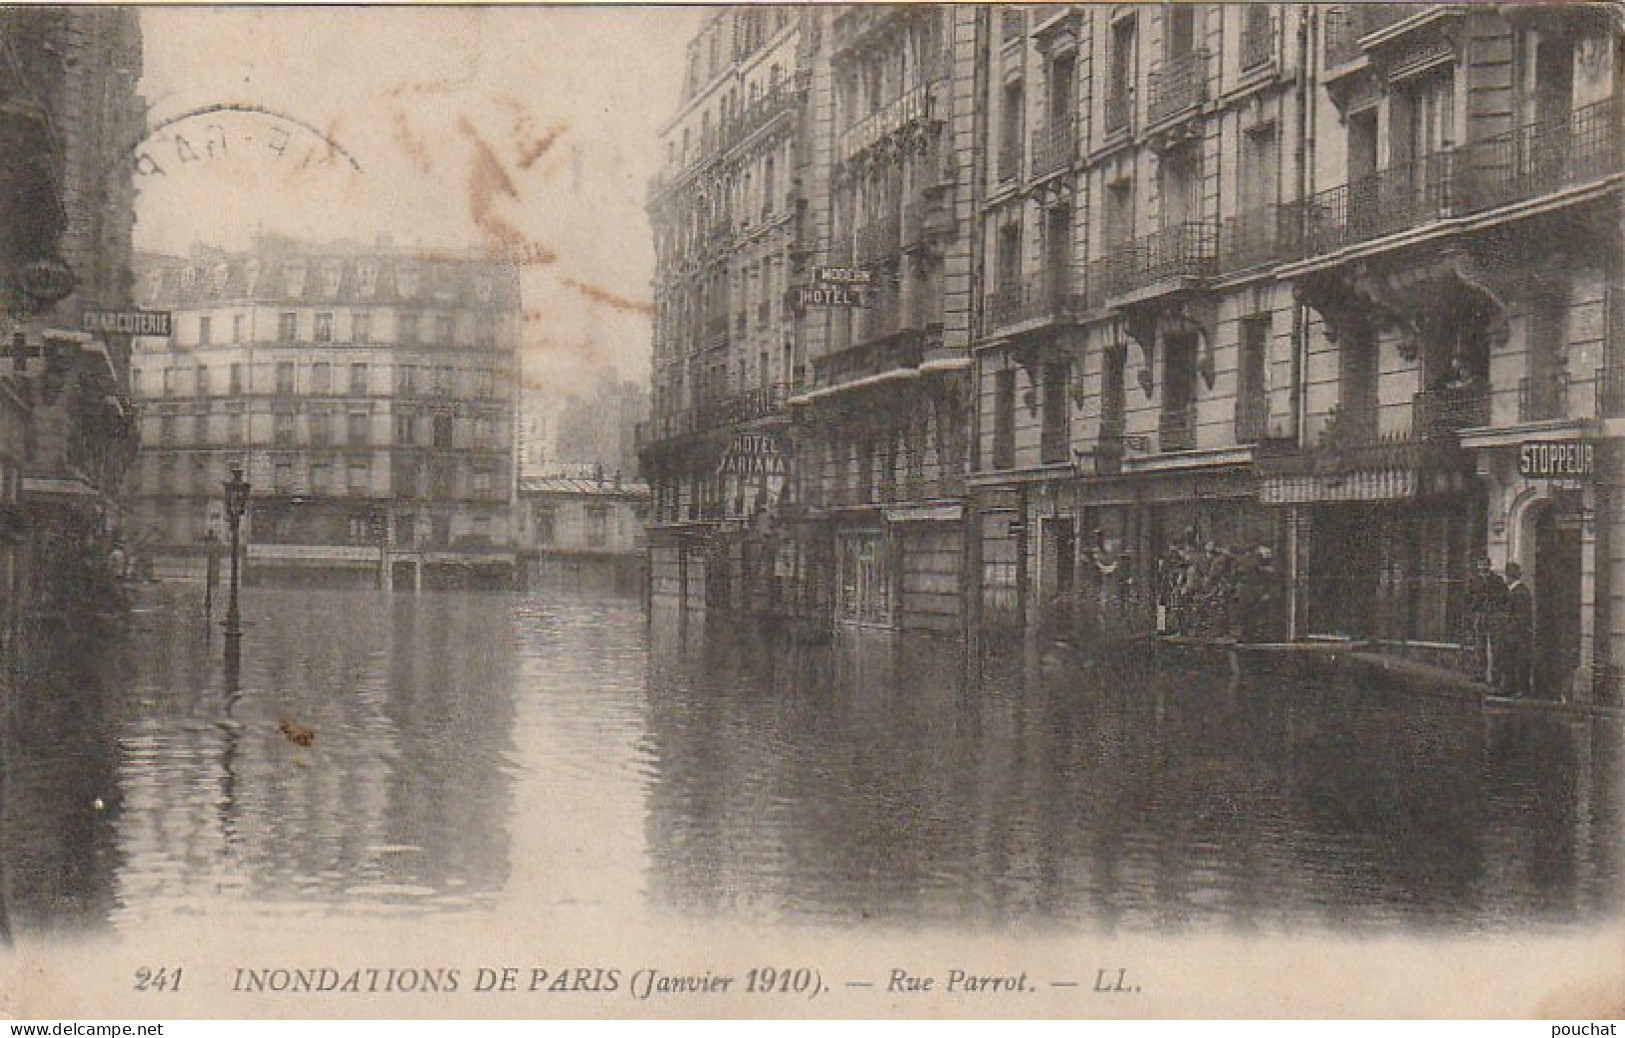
(368, 395)
(1090, 297)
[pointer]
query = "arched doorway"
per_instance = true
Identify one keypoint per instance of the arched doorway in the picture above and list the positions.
(1555, 566)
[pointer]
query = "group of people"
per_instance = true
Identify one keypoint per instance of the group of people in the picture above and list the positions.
(1209, 591)
(1501, 620)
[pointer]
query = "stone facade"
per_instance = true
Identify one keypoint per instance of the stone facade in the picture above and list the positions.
(370, 397)
(1180, 295)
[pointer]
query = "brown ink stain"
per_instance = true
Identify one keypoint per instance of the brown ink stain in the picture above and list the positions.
(528, 143)
(298, 734)
(611, 299)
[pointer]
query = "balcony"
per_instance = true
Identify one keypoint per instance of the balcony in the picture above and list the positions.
(1119, 108)
(907, 108)
(716, 332)
(1257, 236)
(1178, 85)
(1178, 252)
(1009, 161)
(1252, 416)
(1543, 398)
(716, 412)
(872, 356)
(1257, 38)
(1611, 390)
(1538, 159)
(879, 241)
(1041, 299)
(1439, 413)
(1177, 431)
(1541, 158)
(1347, 24)
(1381, 203)
(1055, 147)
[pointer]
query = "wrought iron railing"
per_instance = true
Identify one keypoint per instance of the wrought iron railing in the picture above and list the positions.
(1611, 390)
(1446, 410)
(1119, 108)
(1177, 85)
(1055, 146)
(1257, 37)
(1346, 24)
(1182, 250)
(1256, 236)
(1543, 398)
(1009, 161)
(1538, 159)
(1380, 203)
(1047, 296)
(1177, 430)
(879, 241)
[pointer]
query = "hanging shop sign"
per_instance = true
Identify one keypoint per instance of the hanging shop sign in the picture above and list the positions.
(128, 322)
(847, 296)
(1570, 460)
(46, 281)
(843, 276)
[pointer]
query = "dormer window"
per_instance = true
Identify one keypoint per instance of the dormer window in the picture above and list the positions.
(293, 275)
(366, 275)
(332, 275)
(219, 279)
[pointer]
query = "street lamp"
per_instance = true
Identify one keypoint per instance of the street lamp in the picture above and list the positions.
(236, 489)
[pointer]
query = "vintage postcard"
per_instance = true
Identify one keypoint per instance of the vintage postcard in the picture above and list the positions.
(1054, 510)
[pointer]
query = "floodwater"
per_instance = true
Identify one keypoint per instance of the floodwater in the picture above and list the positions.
(462, 754)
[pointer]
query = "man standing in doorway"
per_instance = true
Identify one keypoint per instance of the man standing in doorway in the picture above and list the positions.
(1516, 633)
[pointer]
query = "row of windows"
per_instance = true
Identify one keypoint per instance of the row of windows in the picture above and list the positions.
(410, 328)
(322, 379)
(321, 429)
(204, 477)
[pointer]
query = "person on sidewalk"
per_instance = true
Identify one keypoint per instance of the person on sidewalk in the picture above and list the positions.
(1517, 633)
(1486, 602)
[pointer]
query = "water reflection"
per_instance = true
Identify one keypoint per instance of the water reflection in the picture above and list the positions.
(511, 757)
(869, 780)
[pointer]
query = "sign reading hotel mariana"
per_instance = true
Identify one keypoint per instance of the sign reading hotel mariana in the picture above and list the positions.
(1558, 459)
(752, 454)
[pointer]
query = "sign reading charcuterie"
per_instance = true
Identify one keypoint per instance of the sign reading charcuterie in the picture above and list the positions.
(1558, 459)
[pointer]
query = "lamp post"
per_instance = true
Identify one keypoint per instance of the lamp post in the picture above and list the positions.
(236, 489)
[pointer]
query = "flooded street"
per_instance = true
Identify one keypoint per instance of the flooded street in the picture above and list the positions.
(474, 755)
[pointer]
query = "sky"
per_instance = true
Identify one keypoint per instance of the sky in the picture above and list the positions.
(527, 131)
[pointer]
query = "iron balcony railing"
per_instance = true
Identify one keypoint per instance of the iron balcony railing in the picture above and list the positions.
(1611, 390)
(911, 106)
(1177, 85)
(1538, 159)
(1444, 411)
(1009, 161)
(1055, 146)
(717, 412)
(1257, 236)
(1119, 108)
(1347, 24)
(1177, 431)
(879, 241)
(1543, 398)
(1049, 296)
(1257, 37)
(1182, 250)
(1252, 415)
(1380, 203)
(1542, 157)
